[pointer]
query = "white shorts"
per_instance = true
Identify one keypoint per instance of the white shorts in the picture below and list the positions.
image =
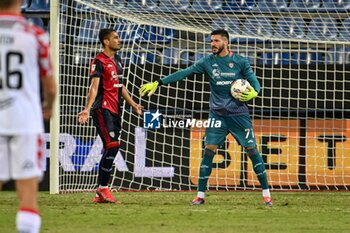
(21, 157)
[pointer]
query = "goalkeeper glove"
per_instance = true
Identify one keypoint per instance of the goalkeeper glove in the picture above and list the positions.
(148, 87)
(248, 95)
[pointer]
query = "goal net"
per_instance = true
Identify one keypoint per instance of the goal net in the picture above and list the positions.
(300, 51)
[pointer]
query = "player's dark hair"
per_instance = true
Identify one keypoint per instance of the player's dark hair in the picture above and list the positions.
(104, 34)
(221, 32)
(7, 3)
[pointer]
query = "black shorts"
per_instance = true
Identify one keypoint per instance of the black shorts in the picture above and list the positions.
(108, 126)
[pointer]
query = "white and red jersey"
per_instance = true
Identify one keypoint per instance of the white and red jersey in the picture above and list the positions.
(24, 58)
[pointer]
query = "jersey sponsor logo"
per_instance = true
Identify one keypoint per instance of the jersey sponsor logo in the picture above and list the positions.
(6, 103)
(228, 74)
(223, 83)
(109, 65)
(28, 165)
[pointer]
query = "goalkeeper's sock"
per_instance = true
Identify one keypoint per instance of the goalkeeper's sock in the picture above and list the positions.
(266, 193)
(201, 195)
(205, 169)
(259, 167)
(28, 221)
(105, 167)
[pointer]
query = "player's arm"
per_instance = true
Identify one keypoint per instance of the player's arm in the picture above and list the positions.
(96, 71)
(130, 101)
(93, 90)
(49, 93)
(197, 68)
(254, 88)
(48, 82)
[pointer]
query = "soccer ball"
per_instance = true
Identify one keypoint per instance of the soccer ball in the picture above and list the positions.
(238, 86)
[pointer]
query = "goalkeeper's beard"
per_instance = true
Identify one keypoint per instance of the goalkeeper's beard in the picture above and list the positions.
(219, 50)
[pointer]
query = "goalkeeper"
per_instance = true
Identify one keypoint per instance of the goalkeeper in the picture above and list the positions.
(223, 67)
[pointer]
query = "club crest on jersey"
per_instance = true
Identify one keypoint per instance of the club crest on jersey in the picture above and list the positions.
(114, 75)
(112, 134)
(230, 64)
(93, 67)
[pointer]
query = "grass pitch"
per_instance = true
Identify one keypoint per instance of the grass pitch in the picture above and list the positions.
(172, 212)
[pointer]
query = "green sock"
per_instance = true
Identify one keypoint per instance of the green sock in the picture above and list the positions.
(205, 169)
(259, 167)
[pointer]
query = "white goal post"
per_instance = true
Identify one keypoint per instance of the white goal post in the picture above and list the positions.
(299, 50)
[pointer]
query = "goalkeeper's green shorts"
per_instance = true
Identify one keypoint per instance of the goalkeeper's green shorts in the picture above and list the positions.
(239, 126)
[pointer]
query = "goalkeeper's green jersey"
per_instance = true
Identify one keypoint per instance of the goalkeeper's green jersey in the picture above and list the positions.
(222, 71)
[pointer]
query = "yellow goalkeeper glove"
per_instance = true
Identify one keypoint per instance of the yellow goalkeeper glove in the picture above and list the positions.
(148, 87)
(248, 95)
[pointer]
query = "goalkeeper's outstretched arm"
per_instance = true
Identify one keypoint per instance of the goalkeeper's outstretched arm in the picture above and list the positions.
(150, 88)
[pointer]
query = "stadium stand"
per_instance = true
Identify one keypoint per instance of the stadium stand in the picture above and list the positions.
(243, 5)
(274, 58)
(88, 33)
(156, 34)
(41, 6)
(284, 27)
(323, 28)
(25, 5)
(260, 26)
(272, 5)
(146, 57)
(128, 32)
(171, 56)
(338, 55)
(290, 27)
(37, 21)
(208, 6)
(232, 25)
(307, 56)
(335, 5)
(304, 5)
(344, 32)
(149, 4)
(171, 6)
(187, 57)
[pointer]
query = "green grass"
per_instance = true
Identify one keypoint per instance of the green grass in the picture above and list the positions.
(172, 212)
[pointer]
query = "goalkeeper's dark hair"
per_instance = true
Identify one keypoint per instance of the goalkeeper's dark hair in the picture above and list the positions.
(8, 3)
(221, 32)
(104, 34)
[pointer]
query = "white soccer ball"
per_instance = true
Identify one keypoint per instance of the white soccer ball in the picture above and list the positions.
(239, 86)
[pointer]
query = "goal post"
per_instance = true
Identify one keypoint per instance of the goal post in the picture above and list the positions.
(300, 53)
(55, 120)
